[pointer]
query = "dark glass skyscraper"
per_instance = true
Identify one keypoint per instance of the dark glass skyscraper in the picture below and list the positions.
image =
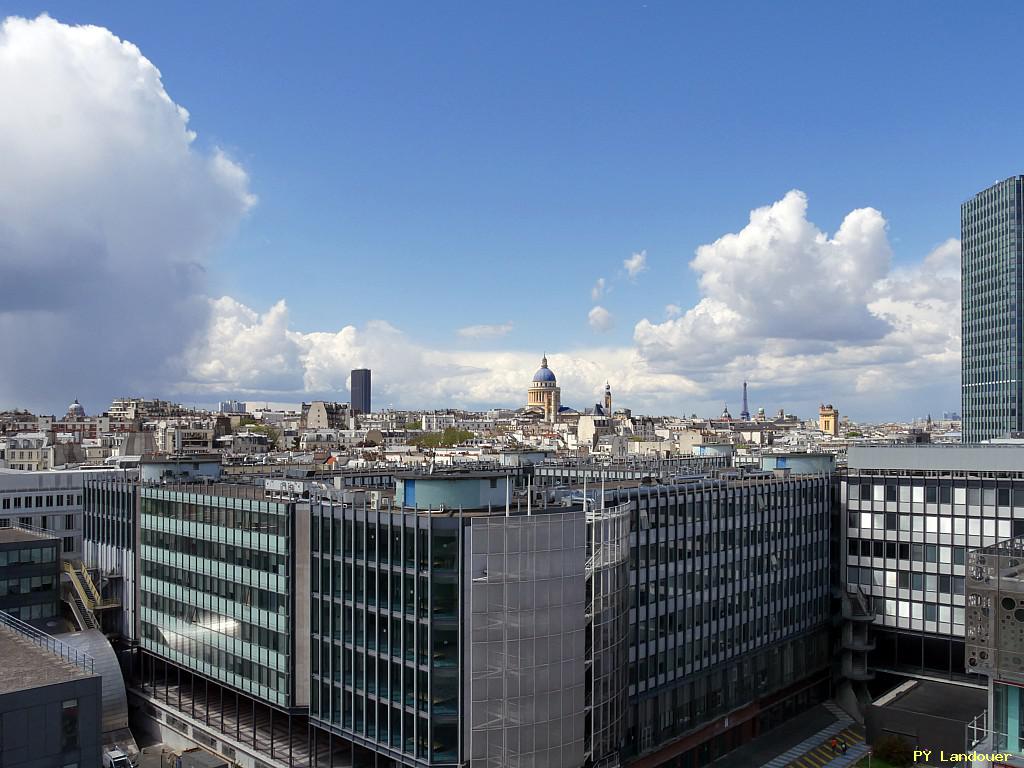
(361, 390)
(992, 255)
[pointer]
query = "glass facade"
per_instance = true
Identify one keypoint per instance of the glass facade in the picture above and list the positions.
(729, 599)
(384, 621)
(30, 579)
(992, 270)
(215, 587)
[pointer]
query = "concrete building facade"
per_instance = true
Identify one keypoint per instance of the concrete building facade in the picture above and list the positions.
(911, 515)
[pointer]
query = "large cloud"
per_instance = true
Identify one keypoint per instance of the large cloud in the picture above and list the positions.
(107, 213)
(806, 316)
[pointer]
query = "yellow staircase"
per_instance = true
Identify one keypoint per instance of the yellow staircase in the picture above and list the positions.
(822, 754)
(85, 598)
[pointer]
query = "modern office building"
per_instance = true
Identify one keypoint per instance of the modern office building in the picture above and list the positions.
(469, 617)
(361, 390)
(50, 701)
(469, 633)
(992, 282)
(29, 574)
(447, 632)
(911, 515)
(729, 611)
(220, 567)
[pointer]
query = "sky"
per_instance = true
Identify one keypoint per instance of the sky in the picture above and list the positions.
(235, 200)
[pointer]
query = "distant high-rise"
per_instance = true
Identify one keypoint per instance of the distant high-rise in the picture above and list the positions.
(992, 270)
(745, 413)
(361, 390)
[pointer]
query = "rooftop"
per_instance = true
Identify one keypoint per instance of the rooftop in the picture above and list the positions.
(931, 457)
(946, 700)
(13, 534)
(29, 665)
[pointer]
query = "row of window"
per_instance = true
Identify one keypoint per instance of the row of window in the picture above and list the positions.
(240, 514)
(730, 502)
(921, 553)
(230, 554)
(27, 585)
(245, 594)
(207, 621)
(27, 556)
(937, 494)
(384, 589)
(958, 526)
(907, 609)
(25, 502)
(935, 583)
(384, 543)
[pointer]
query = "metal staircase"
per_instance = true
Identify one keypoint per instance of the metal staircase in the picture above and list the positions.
(83, 596)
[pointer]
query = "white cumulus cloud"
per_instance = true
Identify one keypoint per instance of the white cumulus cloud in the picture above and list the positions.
(108, 211)
(598, 290)
(600, 319)
(635, 264)
(805, 315)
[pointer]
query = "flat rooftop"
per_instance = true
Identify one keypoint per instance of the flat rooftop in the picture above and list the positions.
(937, 457)
(11, 535)
(27, 665)
(929, 697)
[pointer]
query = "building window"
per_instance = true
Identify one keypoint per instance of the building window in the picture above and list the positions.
(69, 544)
(69, 522)
(69, 724)
(25, 521)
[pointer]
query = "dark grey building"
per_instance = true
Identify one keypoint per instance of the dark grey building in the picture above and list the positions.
(729, 611)
(992, 272)
(50, 701)
(361, 390)
(29, 574)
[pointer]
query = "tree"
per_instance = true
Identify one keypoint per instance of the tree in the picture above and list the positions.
(450, 437)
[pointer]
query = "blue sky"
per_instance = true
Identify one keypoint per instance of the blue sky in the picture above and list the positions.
(443, 165)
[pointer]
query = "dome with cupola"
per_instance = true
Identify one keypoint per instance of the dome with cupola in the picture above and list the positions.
(75, 410)
(544, 374)
(544, 396)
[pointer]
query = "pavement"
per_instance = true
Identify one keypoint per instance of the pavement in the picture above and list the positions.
(816, 751)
